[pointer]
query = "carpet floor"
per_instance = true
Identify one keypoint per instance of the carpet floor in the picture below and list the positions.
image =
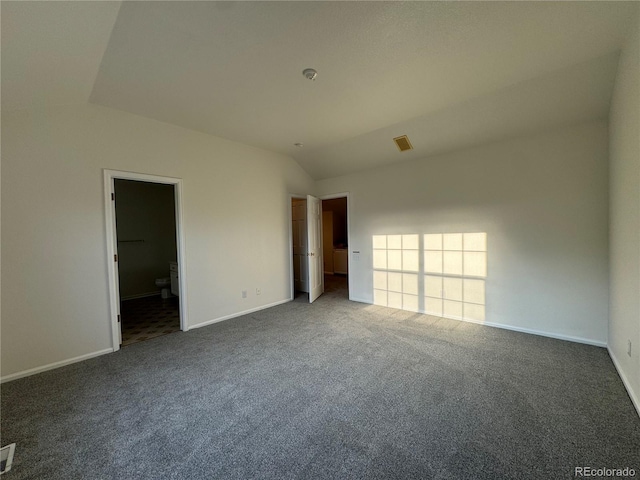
(335, 389)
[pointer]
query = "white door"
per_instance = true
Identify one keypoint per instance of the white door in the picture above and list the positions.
(314, 252)
(299, 231)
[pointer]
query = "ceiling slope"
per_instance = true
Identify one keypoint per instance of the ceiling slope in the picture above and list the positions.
(51, 51)
(567, 96)
(448, 74)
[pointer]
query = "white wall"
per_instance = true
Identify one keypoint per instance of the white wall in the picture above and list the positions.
(624, 323)
(543, 202)
(54, 265)
(146, 224)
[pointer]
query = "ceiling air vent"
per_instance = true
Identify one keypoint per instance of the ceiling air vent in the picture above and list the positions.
(403, 143)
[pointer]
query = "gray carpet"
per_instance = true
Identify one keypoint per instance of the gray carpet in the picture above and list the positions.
(331, 390)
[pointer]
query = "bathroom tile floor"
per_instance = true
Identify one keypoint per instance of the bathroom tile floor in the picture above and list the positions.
(148, 317)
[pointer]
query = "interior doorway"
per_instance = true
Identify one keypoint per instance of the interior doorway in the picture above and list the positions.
(307, 279)
(147, 260)
(335, 244)
(147, 288)
(319, 250)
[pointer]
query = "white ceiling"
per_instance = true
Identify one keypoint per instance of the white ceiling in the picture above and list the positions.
(449, 74)
(51, 51)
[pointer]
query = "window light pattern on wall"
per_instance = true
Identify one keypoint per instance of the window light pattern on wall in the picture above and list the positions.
(455, 269)
(396, 262)
(445, 276)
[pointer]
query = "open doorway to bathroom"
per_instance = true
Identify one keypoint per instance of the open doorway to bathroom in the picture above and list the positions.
(144, 241)
(335, 245)
(147, 260)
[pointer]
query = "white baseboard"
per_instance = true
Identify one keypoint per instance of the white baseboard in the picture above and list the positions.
(531, 331)
(51, 366)
(634, 398)
(569, 338)
(586, 341)
(360, 300)
(239, 314)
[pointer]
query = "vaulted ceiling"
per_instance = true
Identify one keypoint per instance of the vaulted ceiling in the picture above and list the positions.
(448, 74)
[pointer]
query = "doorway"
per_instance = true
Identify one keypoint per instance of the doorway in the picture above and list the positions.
(147, 288)
(314, 250)
(305, 234)
(335, 244)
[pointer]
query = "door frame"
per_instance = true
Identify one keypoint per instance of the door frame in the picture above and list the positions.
(331, 196)
(110, 176)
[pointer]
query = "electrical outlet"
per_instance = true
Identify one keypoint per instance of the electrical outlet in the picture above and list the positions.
(258, 291)
(629, 347)
(244, 294)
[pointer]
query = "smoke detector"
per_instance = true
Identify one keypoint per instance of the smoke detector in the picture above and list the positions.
(310, 73)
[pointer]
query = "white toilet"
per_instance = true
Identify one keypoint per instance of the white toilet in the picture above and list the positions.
(165, 285)
(170, 285)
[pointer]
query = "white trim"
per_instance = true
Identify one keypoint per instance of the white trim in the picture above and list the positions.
(112, 242)
(361, 300)
(634, 398)
(331, 196)
(51, 366)
(557, 336)
(239, 314)
(110, 221)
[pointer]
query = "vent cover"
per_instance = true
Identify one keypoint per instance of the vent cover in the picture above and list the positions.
(6, 457)
(403, 143)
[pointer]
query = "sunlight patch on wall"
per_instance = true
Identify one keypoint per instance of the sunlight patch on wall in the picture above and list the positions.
(438, 274)
(455, 268)
(396, 262)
